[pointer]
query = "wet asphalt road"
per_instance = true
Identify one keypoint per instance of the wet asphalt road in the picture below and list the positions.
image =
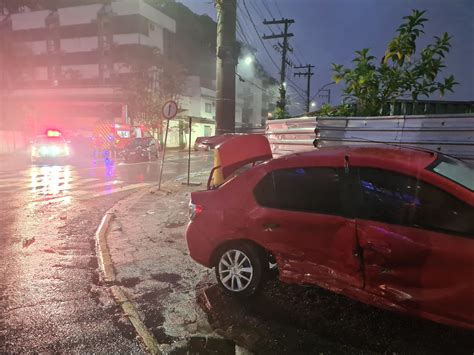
(51, 295)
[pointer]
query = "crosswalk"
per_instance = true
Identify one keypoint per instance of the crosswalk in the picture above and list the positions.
(49, 183)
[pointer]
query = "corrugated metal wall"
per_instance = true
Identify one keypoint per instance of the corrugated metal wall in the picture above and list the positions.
(449, 134)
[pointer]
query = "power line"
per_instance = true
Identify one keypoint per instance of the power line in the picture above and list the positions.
(244, 80)
(308, 74)
(284, 35)
(270, 13)
(296, 86)
(278, 9)
(243, 36)
(257, 9)
(256, 31)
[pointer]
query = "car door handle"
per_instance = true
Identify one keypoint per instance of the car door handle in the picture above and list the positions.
(270, 226)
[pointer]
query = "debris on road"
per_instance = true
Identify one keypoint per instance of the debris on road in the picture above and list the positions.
(26, 242)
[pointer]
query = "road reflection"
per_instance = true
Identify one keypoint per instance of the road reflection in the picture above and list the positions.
(50, 180)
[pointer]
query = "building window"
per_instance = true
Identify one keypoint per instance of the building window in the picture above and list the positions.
(208, 108)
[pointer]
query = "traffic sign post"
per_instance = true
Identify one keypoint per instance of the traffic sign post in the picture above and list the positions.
(189, 155)
(169, 111)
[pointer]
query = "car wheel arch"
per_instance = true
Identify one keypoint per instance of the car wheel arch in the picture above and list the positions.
(264, 254)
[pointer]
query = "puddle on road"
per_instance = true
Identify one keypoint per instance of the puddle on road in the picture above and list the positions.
(166, 277)
(130, 281)
(202, 346)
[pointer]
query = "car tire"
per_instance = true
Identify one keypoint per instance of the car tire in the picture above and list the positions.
(240, 269)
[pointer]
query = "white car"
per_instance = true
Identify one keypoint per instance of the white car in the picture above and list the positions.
(49, 147)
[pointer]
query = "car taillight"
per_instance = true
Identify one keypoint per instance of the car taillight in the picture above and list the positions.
(194, 210)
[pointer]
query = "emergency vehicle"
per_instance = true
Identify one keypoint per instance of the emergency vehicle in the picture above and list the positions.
(50, 147)
(114, 138)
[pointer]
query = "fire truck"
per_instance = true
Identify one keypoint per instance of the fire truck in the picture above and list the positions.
(110, 139)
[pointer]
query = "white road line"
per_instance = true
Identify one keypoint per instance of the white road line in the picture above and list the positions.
(86, 195)
(27, 184)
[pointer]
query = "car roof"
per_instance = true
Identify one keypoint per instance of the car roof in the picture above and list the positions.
(46, 136)
(371, 155)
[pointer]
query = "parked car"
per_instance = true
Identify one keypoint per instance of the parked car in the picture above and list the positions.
(392, 227)
(141, 149)
(49, 148)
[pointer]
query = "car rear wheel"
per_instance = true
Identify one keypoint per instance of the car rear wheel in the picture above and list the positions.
(239, 270)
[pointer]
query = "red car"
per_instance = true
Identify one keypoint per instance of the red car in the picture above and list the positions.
(208, 143)
(392, 227)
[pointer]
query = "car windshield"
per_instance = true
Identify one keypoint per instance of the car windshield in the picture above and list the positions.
(49, 140)
(455, 170)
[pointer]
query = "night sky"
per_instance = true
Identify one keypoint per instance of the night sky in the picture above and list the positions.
(328, 31)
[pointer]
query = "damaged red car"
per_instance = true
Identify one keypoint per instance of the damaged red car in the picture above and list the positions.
(392, 227)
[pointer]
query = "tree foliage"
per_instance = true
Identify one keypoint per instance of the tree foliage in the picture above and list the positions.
(400, 73)
(153, 79)
(16, 63)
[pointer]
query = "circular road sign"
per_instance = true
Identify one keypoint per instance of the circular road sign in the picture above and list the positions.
(170, 109)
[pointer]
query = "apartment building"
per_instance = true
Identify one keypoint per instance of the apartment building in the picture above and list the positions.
(78, 61)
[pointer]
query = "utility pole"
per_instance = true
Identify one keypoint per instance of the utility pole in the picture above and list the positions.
(226, 62)
(308, 74)
(284, 61)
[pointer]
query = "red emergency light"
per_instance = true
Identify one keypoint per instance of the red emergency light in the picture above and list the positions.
(53, 133)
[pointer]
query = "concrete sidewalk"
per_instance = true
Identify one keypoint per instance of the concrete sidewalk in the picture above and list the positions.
(152, 267)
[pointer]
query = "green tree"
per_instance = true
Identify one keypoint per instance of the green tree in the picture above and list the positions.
(371, 87)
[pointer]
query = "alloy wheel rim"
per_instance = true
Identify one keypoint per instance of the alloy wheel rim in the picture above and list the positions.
(235, 270)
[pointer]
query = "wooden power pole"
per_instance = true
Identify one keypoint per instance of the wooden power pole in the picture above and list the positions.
(284, 50)
(308, 74)
(226, 62)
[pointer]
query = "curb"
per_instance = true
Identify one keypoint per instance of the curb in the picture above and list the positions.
(131, 312)
(105, 264)
(105, 261)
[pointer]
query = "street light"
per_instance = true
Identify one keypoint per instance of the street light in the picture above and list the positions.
(313, 104)
(248, 60)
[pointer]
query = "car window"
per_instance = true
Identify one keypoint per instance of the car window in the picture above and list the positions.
(455, 170)
(399, 199)
(49, 140)
(316, 190)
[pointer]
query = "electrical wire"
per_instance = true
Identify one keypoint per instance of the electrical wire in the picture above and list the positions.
(243, 36)
(271, 15)
(278, 8)
(256, 31)
(257, 9)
